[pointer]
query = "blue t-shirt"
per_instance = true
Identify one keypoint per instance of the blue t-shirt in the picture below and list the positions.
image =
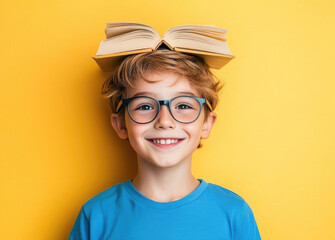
(123, 213)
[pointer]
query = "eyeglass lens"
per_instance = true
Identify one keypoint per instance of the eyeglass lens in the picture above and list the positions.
(183, 109)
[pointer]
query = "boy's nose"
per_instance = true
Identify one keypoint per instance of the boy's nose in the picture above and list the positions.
(164, 119)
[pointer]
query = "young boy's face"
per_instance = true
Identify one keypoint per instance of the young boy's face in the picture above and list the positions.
(146, 138)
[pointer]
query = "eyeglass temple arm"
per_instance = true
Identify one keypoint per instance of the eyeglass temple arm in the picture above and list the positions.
(209, 105)
(118, 106)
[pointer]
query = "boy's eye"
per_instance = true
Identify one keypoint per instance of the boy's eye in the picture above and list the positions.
(183, 106)
(144, 107)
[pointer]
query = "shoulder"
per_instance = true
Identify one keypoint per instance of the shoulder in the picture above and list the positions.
(226, 198)
(104, 200)
(240, 214)
(101, 208)
(223, 193)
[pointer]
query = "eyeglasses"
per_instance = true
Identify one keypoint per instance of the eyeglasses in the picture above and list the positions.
(183, 109)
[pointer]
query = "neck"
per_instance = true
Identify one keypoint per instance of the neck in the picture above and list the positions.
(165, 184)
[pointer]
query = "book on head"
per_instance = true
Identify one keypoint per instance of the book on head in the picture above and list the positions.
(125, 38)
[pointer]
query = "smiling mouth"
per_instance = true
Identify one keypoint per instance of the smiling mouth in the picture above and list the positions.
(165, 141)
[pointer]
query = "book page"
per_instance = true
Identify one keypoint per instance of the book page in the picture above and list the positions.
(123, 37)
(198, 37)
(118, 28)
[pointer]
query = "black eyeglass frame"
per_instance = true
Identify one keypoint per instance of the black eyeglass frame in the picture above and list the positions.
(126, 102)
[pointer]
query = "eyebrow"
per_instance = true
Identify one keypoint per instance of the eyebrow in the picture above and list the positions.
(153, 94)
(142, 94)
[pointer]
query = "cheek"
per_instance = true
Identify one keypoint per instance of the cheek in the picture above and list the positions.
(134, 140)
(194, 131)
(136, 133)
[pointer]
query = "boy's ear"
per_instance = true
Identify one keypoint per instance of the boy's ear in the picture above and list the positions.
(119, 126)
(208, 125)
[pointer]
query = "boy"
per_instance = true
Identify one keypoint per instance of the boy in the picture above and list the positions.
(163, 104)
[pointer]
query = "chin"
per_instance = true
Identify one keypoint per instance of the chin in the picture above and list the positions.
(165, 162)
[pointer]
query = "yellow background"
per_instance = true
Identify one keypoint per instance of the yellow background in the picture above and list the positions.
(273, 143)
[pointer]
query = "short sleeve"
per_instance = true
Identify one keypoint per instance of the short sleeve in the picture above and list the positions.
(246, 228)
(80, 230)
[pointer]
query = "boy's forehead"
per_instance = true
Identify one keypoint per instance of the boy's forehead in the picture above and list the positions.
(160, 82)
(166, 78)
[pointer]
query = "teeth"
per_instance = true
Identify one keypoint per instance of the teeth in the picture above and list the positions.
(165, 141)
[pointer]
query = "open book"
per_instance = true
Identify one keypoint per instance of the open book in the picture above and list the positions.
(124, 38)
